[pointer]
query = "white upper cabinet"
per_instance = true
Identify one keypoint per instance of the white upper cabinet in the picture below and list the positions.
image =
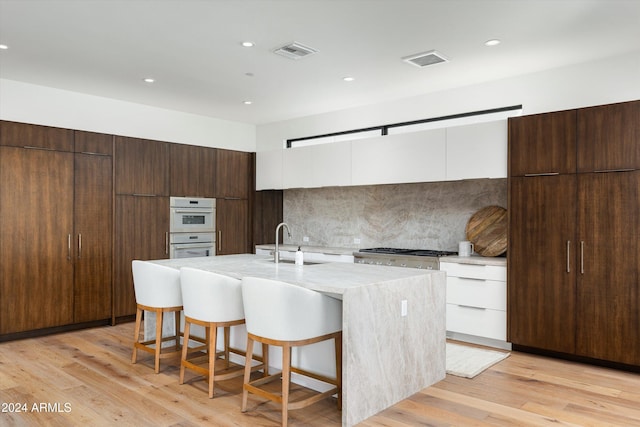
(477, 151)
(296, 168)
(322, 165)
(269, 170)
(331, 164)
(445, 154)
(401, 158)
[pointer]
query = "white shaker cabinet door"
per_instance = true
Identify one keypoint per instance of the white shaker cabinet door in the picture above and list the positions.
(400, 158)
(269, 170)
(477, 151)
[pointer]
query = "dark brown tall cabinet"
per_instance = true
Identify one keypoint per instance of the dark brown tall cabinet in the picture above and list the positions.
(234, 170)
(55, 232)
(574, 218)
(93, 225)
(142, 212)
(192, 170)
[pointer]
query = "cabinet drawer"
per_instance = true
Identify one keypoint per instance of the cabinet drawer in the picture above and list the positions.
(479, 322)
(475, 271)
(477, 293)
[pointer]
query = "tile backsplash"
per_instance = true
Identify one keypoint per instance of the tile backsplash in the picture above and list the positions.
(429, 215)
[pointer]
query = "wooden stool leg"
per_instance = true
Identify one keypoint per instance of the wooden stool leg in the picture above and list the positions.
(213, 338)
(247, 373)
(286, 377)
(338, 344)
(227, 334)
(158, 339)
(265, 360)
(177, 319)
(136, 335)
(185, 348)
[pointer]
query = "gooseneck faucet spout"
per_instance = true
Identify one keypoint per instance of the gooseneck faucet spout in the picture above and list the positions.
(276, 253)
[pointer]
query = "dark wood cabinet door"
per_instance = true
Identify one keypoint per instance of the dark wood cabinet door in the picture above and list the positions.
(234, 176)
(93, 143)
(266, 216)
(36, 228)
(27, 135)
(141, 232)
(141, 167)
(193, 170)
(608, 303)
(542, 262)
(232, 226)
(93, 222)
(542, 144)
(609, 137)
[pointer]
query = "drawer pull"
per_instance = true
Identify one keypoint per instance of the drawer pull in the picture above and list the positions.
(472, 307)
(541, 174)
(473, 278)
(614, 170)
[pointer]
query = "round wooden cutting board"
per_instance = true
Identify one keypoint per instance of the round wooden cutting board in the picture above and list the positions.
(487, 230)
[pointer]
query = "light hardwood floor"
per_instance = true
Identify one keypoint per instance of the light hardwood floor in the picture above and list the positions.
(86, 378)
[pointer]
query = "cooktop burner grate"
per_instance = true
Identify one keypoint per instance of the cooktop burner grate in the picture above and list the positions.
(413, 252)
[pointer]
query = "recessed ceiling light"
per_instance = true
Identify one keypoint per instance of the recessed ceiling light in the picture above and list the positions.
(149, 80)
(492, 42)
(247, 102)
(4, 46)
(248, 44)
(348, 79)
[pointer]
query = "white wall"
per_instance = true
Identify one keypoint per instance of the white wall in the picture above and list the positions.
(28, 103)
(609, 80)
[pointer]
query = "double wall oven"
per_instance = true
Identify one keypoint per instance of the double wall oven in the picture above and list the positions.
(192, 227)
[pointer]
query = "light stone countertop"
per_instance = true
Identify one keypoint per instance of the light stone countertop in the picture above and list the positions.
(331, 278)
(475, 259)
(315, 249)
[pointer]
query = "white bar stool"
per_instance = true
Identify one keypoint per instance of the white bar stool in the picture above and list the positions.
(287, 316)
(157, 290)
(211, 300)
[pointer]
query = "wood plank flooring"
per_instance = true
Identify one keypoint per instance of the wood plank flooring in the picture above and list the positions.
(86, 378)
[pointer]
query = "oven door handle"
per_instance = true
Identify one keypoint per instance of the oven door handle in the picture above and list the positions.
(193, 210)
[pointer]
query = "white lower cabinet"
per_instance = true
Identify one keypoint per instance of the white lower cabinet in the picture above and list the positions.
(476, 302)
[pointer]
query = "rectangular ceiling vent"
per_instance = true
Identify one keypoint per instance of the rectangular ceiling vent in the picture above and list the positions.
(425, 59)
(295, 51)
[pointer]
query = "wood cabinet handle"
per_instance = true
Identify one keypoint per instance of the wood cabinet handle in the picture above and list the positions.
(69, 246)
(79, 245)
(568, 256)
(166, 243)
(219, 241)
(581, 257)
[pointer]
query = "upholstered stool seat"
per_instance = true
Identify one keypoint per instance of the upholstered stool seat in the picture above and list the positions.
(287, 316)
(157, 290)
(211, 300)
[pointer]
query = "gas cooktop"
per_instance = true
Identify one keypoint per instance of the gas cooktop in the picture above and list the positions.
(412, 252)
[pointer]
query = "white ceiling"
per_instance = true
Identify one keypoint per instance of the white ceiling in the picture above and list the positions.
(193, 48)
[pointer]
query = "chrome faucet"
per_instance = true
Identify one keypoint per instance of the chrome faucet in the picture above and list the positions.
(276, 253)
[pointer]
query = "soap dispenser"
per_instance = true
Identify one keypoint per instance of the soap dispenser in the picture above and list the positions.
(299, 257)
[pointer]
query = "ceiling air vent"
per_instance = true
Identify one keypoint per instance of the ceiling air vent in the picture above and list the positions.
(425, 59)
(294, 51)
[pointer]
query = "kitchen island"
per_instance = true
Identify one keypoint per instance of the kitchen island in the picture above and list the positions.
(393, 323)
